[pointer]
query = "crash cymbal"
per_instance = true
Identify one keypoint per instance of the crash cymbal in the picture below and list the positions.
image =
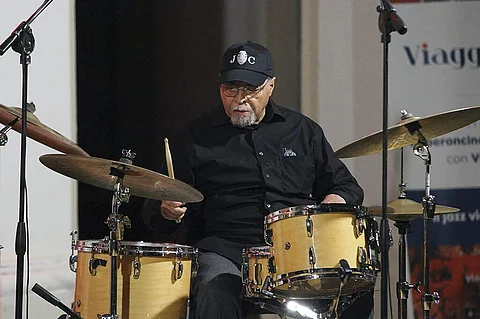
(399, 135)
(38, 131)
(142, 182)
(407, 210)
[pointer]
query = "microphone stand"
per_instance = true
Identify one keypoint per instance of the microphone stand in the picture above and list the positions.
(22, 41)
(388, 22)
(48, 297)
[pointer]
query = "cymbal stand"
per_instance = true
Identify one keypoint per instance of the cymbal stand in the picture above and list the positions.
(403, 286)
(22, 41)
(403, 227)
(388, 21)
(116, 222)
(421, 150)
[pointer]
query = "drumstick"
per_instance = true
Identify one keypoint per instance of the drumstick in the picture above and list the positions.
(171, 173)
(169, 159)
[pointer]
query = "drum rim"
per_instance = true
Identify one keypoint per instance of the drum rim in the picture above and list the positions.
(305, 210)
(132, 248)
(256, 251)
(328, 273)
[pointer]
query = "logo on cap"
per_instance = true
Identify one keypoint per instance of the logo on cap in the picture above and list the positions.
(242, 57)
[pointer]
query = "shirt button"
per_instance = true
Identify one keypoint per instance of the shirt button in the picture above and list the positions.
(268, 205)
(260, 153)
(267, 176)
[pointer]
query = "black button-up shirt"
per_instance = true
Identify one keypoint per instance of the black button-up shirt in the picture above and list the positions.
(247, 173)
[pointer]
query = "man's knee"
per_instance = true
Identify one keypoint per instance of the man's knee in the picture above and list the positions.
(218, 297)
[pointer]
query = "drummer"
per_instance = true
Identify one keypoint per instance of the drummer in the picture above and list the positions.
(248, 158)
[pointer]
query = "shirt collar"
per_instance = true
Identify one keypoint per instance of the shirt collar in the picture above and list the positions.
(272, 114)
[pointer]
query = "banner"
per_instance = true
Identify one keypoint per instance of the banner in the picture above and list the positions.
(435, 68)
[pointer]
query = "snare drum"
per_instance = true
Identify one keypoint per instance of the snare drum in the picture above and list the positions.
(153, 280)
(255, 270)
(316, 247)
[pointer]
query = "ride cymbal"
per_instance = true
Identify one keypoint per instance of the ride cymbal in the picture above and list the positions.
(407, 210)
(399, 134)
(141, 182)
(38, 131)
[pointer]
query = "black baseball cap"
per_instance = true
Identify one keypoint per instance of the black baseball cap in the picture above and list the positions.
(247, 62)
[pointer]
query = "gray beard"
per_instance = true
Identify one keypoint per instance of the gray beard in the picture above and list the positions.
(244, 121)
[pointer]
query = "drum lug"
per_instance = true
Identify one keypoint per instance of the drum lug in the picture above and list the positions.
(73, 256)
(195, 263)
(390, 237)
(311, 257)
(309, 226)
(137, 266)
(362, 257)
(267, 235)
(359, 226)
(248, 291)
(245, 271)
(178, 269)
(257, 268)
(93, 263)
(272, 268)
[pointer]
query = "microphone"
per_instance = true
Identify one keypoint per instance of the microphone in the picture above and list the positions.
(397, 22)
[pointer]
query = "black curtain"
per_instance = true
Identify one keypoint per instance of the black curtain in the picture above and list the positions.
(144, 68)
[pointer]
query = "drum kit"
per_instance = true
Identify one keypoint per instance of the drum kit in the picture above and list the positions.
(312, 252)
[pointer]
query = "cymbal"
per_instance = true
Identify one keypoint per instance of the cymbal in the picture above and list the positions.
(399, 136)
(38, 131)
(142, 182)
(407, 210)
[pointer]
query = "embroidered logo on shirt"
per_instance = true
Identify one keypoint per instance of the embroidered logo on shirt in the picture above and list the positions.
(288, 152)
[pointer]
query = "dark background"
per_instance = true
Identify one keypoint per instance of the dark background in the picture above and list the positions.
(145, 68)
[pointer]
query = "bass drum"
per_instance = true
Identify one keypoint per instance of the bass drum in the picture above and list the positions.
(153, 279)
(322, 251)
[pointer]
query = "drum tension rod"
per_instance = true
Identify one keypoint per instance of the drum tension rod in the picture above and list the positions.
(345, 271)
(265, 286)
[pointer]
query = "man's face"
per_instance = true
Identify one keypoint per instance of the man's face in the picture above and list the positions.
(242, 108)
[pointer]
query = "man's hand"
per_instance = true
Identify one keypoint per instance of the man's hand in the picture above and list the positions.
(333, 199)
(172, 210)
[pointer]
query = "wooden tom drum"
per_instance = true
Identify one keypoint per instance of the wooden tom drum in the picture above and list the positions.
(255, 270)
(317, 247)
(153, 279)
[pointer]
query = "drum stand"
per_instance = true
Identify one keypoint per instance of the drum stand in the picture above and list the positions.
(116, 222)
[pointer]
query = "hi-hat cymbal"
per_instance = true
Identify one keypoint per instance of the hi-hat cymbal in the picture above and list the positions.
(399, 135)
(407, 210)
(38, 131)
(141, 182)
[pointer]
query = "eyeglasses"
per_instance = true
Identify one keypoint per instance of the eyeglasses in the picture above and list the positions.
(231, 90)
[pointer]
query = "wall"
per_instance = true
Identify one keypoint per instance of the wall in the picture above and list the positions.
(51, 200)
